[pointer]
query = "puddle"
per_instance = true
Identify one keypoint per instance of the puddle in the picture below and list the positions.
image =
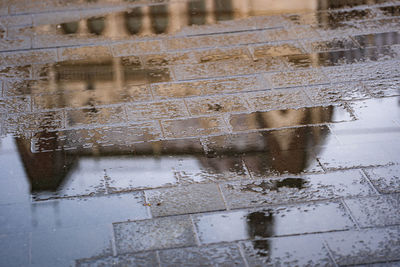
(132, 118)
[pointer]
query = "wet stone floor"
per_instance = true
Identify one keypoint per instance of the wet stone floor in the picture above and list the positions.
(200, 133)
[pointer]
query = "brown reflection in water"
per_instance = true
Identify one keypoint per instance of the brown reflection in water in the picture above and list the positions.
(168, 18)
(260, 224)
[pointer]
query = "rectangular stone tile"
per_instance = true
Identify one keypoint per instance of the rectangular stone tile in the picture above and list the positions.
(277, 49)
(109, 209)
(376, 123)
(385, 180)
(95, 116)
(20, 72)
(365, 246)
(218, 54)
(159, 233)
(168, 59)
(156, 110)
(216, 104)
(33, 122)
(185, 199)
(137, 48)
(15, 43)
(277, 99)
(293, 250)
(28, 57)
(128, 173)
(295, 139)
(12, 105)
(297, 78)
(138, 259)
(351, 156)
(228, 68)
(184, 147)
(336, 93)
(375, 211)
(193, 127)
(85, 52)
(276, 119)
(106, 136)
(206, 87)
(383, 88)
(63, 246)
(362, 72)
(332, 44)
(216, 40)
(269, 222)
(244, 194)
(218, 255)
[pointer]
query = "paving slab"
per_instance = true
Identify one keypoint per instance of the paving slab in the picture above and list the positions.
(167, 232)
(385, 179)
(185, 199)
(295, 189)
(272, 221)
(287, 251)
(214, 255)
(364, 246)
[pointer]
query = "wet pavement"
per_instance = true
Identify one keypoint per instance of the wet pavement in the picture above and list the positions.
(199, 133)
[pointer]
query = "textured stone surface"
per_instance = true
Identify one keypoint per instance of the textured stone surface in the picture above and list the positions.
(219, 255)
(185, 199)
(153, 234)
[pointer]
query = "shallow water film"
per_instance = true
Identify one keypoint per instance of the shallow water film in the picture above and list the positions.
(199, 133)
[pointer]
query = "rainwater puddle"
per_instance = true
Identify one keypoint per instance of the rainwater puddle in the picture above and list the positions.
(221, 123)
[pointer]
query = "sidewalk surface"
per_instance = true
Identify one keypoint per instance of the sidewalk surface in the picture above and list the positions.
(199, 133)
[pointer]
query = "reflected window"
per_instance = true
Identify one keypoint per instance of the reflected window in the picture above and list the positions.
(223, 9)
(70, 27)
(159, 18)
(96, 25)
(197, 12)
(133, 20)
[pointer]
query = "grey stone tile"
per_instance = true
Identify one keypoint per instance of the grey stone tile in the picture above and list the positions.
(336, 93)
(268, 222)
(106, 136)
(375, 211)
(145, 259)
(365, 246)
(185, 199)
(352, 156)
(160, 233)
(386, 179)
(376, 122)
(383, 88)
(362, 72)
(277, 162)
(156, 110)
(296, 78)
(277, 99)
(217, 255)
(293, 117)
(193, 127)
(287, 251)
(295, 189)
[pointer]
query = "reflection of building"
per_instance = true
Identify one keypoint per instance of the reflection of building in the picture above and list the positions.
(169, 18)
